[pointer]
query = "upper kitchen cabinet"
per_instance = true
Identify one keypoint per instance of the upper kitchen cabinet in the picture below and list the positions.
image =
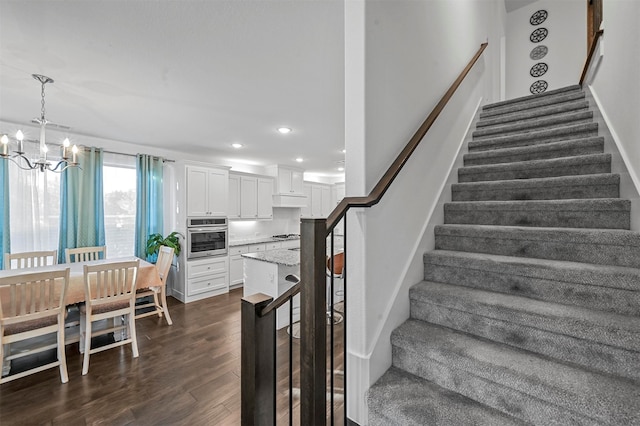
(289, 191)
(319, 200)
(207, 191)
(250, 196)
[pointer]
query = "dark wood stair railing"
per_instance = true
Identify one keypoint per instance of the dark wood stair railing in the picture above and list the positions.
(258, 311)
(592, 50)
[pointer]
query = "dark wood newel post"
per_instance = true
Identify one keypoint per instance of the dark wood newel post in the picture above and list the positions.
(313, 322)
(258, 362)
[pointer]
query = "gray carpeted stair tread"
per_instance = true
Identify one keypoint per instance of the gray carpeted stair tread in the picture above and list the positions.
(601, 341)
(566, 166)
(600, 246)
(602, 287)
(400, 398)
(576, 88)
(535, 137)
(606, 213)
(539, 123)
(533, 113)
(622, 331)
(515, 381)
(563, 187)
(567, 148)
(558, 99)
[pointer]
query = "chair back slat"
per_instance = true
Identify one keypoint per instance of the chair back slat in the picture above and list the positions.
(31, 296)
(165, 257)
(110, 282)
(85, 254)
(30, 259)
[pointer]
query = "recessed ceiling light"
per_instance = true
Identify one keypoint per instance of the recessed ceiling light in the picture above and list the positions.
(284, 130)
(299, 159)
(341, 169)
(344, 151)
(237, 145)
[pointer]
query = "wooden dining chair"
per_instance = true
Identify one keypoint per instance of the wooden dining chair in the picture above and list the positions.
(33, 305)
(85, 254)
(110, 293)
(159, 293)
(30, 259)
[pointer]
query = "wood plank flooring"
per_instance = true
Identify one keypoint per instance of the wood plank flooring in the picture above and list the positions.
(186, 374)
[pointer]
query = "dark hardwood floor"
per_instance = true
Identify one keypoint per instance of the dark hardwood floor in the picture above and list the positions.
(186, 374)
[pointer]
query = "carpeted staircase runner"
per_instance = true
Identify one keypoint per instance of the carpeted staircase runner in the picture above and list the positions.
(529, 312)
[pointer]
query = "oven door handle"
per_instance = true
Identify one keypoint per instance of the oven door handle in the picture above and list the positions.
(210, 229)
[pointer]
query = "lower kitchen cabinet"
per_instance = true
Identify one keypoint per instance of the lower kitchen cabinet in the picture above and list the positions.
(207, 277)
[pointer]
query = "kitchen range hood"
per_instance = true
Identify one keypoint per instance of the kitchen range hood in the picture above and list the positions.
(290, 200)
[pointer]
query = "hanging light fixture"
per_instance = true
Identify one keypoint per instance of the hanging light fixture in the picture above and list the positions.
(41, 163)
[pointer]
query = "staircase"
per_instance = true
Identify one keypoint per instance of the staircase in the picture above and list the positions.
(529, 312)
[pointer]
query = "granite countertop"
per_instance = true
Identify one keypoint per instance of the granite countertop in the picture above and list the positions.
(258, 241)
(280, 256)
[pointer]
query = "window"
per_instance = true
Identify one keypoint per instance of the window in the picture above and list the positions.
(34, 199)
(119, 185)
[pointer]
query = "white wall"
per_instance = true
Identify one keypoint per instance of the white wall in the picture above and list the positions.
(615, 85)
(567, 43)
(413, 51)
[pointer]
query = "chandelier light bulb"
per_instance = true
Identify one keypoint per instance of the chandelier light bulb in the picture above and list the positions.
(284, 130)
(20, 137)
(65, 145)
(74, 150)
(5, 143)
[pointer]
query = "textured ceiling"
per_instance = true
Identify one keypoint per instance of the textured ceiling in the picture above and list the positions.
(196, 75)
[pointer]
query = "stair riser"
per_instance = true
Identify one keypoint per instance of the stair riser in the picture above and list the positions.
(606, 219)
(534, 138)
(533, 113)
(533, 125)
(521, 171)
(601, 254)
(537, 193)
(537, 284)
(537, 152)
(495, 395)
(526, 335)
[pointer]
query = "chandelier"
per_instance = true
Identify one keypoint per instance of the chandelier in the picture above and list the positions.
(42, 164)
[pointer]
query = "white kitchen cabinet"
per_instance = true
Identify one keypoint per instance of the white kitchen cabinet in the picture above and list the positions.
(265, 198)
(287, 244)
(207, 191)
(234, 196)
(319, 199)
(288, 179)
(207, 277)
(236, 273)
(252, 196)
(248, 197)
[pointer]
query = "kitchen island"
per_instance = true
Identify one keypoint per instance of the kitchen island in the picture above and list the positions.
(265, 272)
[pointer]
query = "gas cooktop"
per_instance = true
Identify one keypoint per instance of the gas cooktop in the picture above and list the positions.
(287, 236)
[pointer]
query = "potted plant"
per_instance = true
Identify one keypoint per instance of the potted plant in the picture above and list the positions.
(156, 240)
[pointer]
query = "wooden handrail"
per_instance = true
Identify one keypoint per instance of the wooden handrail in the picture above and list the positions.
(281, 300)
(383, 185)
(592, 50)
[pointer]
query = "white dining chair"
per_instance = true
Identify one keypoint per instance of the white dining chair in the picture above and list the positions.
(30, 259)
(110, 294)
(159, 293)
(33, 305)
(85, 254)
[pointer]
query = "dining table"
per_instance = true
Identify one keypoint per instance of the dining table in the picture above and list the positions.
(148, 276)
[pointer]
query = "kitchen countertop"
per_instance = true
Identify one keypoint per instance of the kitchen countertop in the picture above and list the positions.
(259, 240)
(280, 256)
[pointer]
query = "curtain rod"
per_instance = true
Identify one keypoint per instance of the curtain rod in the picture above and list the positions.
(85, 148)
